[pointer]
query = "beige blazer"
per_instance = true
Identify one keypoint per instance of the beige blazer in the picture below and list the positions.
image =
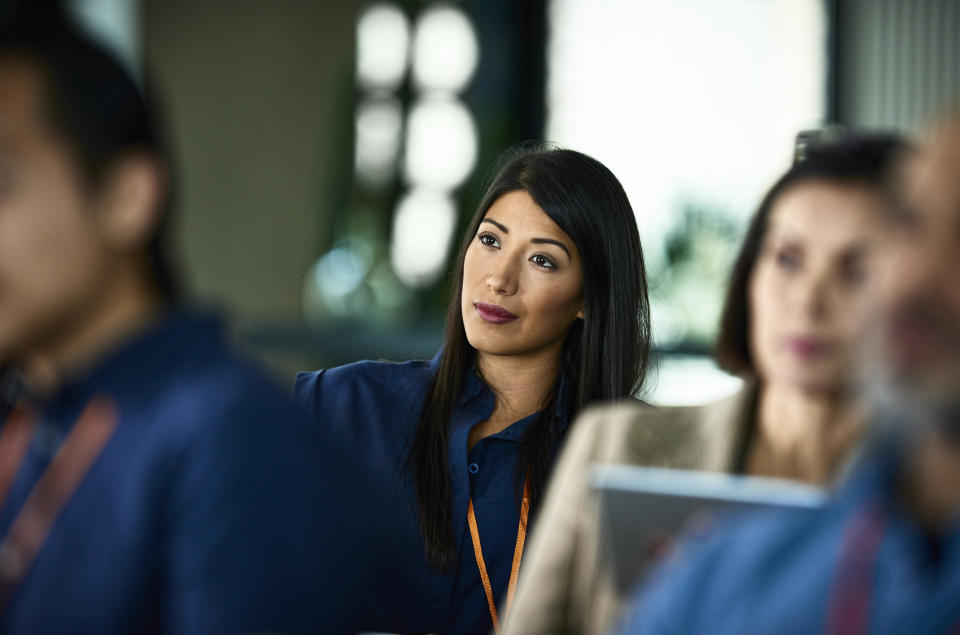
(562, 586)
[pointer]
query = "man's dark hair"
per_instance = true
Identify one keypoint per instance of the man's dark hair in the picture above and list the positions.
(94, 103)
(852, 159)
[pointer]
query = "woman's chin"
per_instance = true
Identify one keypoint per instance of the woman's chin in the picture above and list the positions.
(489, 344)
(813, 379)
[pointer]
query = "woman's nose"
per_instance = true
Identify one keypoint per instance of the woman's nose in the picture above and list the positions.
(812, 296)
(503, 277)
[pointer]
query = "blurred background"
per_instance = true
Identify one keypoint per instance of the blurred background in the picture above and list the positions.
(330, 152)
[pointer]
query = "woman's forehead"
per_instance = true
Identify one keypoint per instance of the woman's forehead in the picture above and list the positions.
(519, 214)
(824, 210)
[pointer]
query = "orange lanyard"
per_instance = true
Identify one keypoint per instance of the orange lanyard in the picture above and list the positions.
(517, 554)
(56, 485)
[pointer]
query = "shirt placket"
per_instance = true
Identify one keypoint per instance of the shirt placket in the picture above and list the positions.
(468, 414)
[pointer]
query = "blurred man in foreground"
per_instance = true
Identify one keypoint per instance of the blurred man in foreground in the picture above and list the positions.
(884, 556)
(159, 484)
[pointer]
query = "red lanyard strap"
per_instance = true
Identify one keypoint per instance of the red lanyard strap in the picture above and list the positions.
(517, 554)
(14, 441)
(52, 491)
(850, 605)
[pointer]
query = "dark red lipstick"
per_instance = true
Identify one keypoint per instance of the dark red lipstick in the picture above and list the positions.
(493, 313)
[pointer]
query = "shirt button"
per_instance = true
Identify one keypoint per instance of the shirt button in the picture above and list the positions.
(473, 468)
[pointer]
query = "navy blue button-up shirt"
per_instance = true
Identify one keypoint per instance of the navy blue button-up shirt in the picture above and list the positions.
(374, 408)
(780, 572)
(215, 507)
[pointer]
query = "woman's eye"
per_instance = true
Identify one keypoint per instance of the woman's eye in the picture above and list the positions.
(543, 261)
(854, 272)
(488, 240)
(855, 277)
(787, 260)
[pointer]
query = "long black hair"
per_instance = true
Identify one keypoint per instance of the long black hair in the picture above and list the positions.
(605, 355)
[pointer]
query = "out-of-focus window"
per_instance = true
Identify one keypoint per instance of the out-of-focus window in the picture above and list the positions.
(694, 105)
(115, 23)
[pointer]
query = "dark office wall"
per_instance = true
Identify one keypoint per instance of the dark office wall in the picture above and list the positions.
(898, 60)
(259, 95)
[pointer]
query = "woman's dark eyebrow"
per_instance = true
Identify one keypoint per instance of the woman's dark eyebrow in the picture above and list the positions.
(535, 241)
(550, 241)
(499, 226)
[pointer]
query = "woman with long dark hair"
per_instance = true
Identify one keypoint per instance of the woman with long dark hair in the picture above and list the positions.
(549, 313)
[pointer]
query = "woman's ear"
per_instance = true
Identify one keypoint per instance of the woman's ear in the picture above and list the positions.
(131, 201)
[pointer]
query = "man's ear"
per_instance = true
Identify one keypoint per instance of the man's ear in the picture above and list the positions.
(131, 201)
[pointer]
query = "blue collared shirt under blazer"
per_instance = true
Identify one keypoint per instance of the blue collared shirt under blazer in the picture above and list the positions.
(373, 408)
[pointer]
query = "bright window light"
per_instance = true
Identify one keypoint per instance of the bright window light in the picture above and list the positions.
(694, 105)
(383, 42)
(686, 98)
(441, 143)
(115, 24)
(445, 49)
(686, 380)
(423, 227)
(379, 125)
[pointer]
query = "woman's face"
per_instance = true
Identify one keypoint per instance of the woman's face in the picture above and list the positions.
(811, 290)
(522, 281)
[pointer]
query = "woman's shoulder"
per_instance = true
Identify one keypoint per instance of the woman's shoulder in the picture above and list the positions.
(633, 432)
(372, 371)
(364, 383)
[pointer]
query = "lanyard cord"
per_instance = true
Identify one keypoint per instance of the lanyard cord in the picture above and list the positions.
(14, 441)
(56, 485)
(853, 589)
(517, 554)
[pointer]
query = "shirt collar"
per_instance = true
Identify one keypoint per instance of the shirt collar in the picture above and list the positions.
(435, 362)
(477, 399)
(131, 365)
(472, 387)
